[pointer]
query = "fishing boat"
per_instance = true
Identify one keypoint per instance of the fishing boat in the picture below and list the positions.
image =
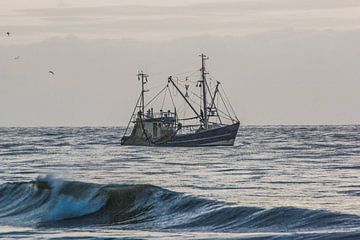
(193, 111)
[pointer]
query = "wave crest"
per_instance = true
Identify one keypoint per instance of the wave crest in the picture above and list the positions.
(53, 202)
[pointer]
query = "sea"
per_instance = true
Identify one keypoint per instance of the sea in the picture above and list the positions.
(276, 182)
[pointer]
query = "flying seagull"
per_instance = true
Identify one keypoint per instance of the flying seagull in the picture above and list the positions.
(52, 72)
(8, 34)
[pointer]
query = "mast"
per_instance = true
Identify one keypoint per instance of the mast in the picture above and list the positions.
(143, 77)
(204, 84)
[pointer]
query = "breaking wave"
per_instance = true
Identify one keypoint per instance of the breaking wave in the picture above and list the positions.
(51, 202)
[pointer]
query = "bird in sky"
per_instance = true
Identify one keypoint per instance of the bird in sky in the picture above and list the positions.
(8, 34)
(52, 72)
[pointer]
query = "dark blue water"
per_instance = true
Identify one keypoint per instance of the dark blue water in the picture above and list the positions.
(277, 182)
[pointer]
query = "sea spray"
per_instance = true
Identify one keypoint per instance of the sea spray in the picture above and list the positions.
(71, 199)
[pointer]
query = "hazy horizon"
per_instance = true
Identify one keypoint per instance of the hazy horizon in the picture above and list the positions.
(281, 62)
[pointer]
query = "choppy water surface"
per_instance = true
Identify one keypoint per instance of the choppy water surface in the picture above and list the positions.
(277, 182)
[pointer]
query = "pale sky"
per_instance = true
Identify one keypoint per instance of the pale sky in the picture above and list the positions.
(281, 61)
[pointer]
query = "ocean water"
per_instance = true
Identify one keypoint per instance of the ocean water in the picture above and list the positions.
(277, 182)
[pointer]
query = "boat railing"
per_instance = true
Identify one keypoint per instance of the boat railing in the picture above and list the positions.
(163, 116)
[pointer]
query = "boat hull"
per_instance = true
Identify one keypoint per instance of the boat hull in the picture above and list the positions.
(221, 136)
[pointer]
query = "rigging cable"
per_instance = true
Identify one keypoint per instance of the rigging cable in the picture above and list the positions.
(232, 109)
(172, 100)
(162, 106)
(156, 96)
(132, 115)
(229, 115)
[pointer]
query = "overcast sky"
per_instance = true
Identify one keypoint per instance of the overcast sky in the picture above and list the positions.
(280, 61)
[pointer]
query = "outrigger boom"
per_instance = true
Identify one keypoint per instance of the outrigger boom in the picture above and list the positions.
(166, 128)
